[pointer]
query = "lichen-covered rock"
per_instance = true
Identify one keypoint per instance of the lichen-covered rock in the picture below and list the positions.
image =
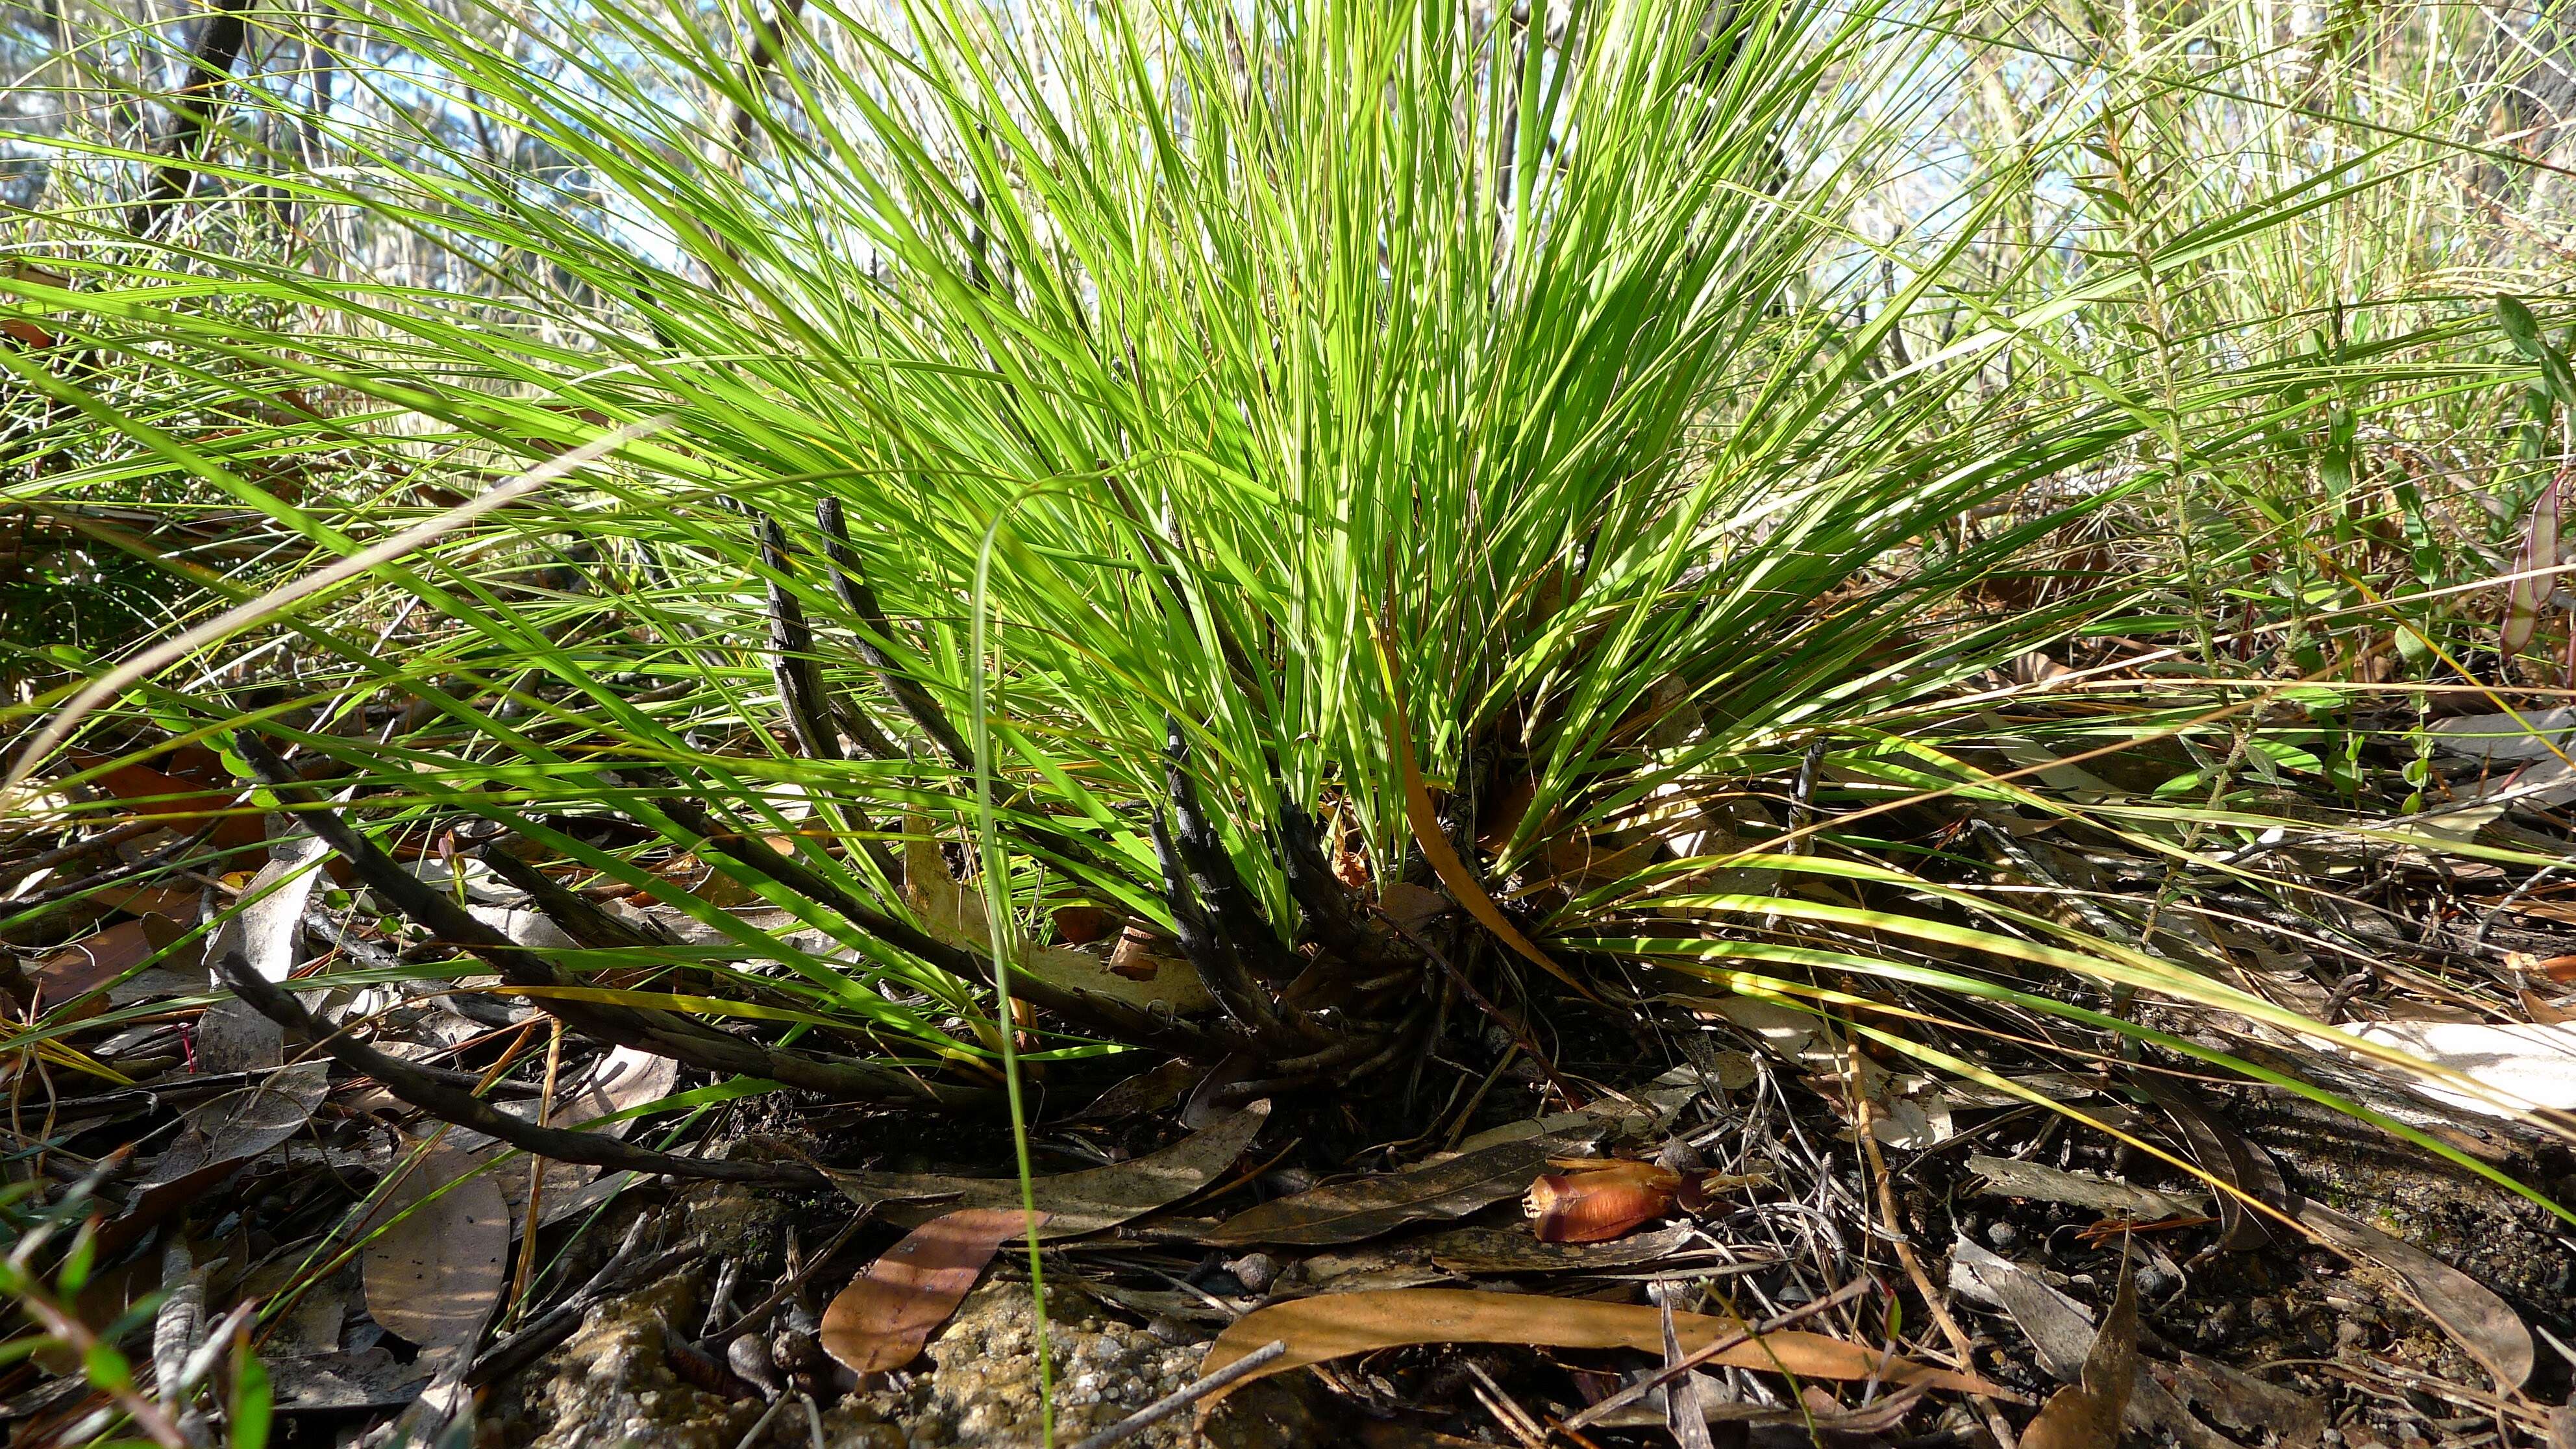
(984, 1387)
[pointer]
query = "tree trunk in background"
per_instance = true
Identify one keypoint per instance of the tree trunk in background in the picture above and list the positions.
(194, 109)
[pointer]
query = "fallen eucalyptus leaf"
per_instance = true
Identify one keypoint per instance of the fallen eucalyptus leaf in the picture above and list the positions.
(191, 795)
(890, 1310)
(2534, 734)
(1686, 1399)
(2243, 1402)
(2006, 1177)
(432, 1275)
(2467, 1309)
(1075, 1202)
(2061, 1334)
(340, 1381)
(93, 961)
(1365, 1207)
(2087, 1415)
(265, 929)
(216, 1137)
(1339, 1324)
(2223, 1153)
(1510, 1250)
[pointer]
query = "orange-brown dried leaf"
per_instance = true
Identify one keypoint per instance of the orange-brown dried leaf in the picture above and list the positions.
(180, 799)
(1082, 925)
(887, 1313)
(93, 961)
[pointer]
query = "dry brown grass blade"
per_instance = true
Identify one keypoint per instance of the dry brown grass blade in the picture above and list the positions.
(1463, 886)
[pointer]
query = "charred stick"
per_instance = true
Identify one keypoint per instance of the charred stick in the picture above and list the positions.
(862, 726)
(1406, 1035)
(877, 640)
(1213, 954)
(1329, 917)
(760, 49)
(581, 919)
(462, 1108)
(791, 655)
(660, 1032)
(1354, 1047)
(193, 109)
(1220, 888)
(813, 716)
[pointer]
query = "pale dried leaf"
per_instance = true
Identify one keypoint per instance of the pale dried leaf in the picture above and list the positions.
(232, 1036)
(2087, 1415)
(433, 1275)
(219, 1135)
(2008, 1177)
(2061, 1334)
(2471, 1312)
(2528, 1064)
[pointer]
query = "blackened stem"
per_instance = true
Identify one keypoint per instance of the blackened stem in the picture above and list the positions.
(878, 640)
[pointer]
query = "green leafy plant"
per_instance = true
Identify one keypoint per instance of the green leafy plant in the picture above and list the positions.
(1210, 467)
(43, 1278)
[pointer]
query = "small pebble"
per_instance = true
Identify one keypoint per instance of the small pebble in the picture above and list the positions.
(1255, 1271)
(2002, 1234)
